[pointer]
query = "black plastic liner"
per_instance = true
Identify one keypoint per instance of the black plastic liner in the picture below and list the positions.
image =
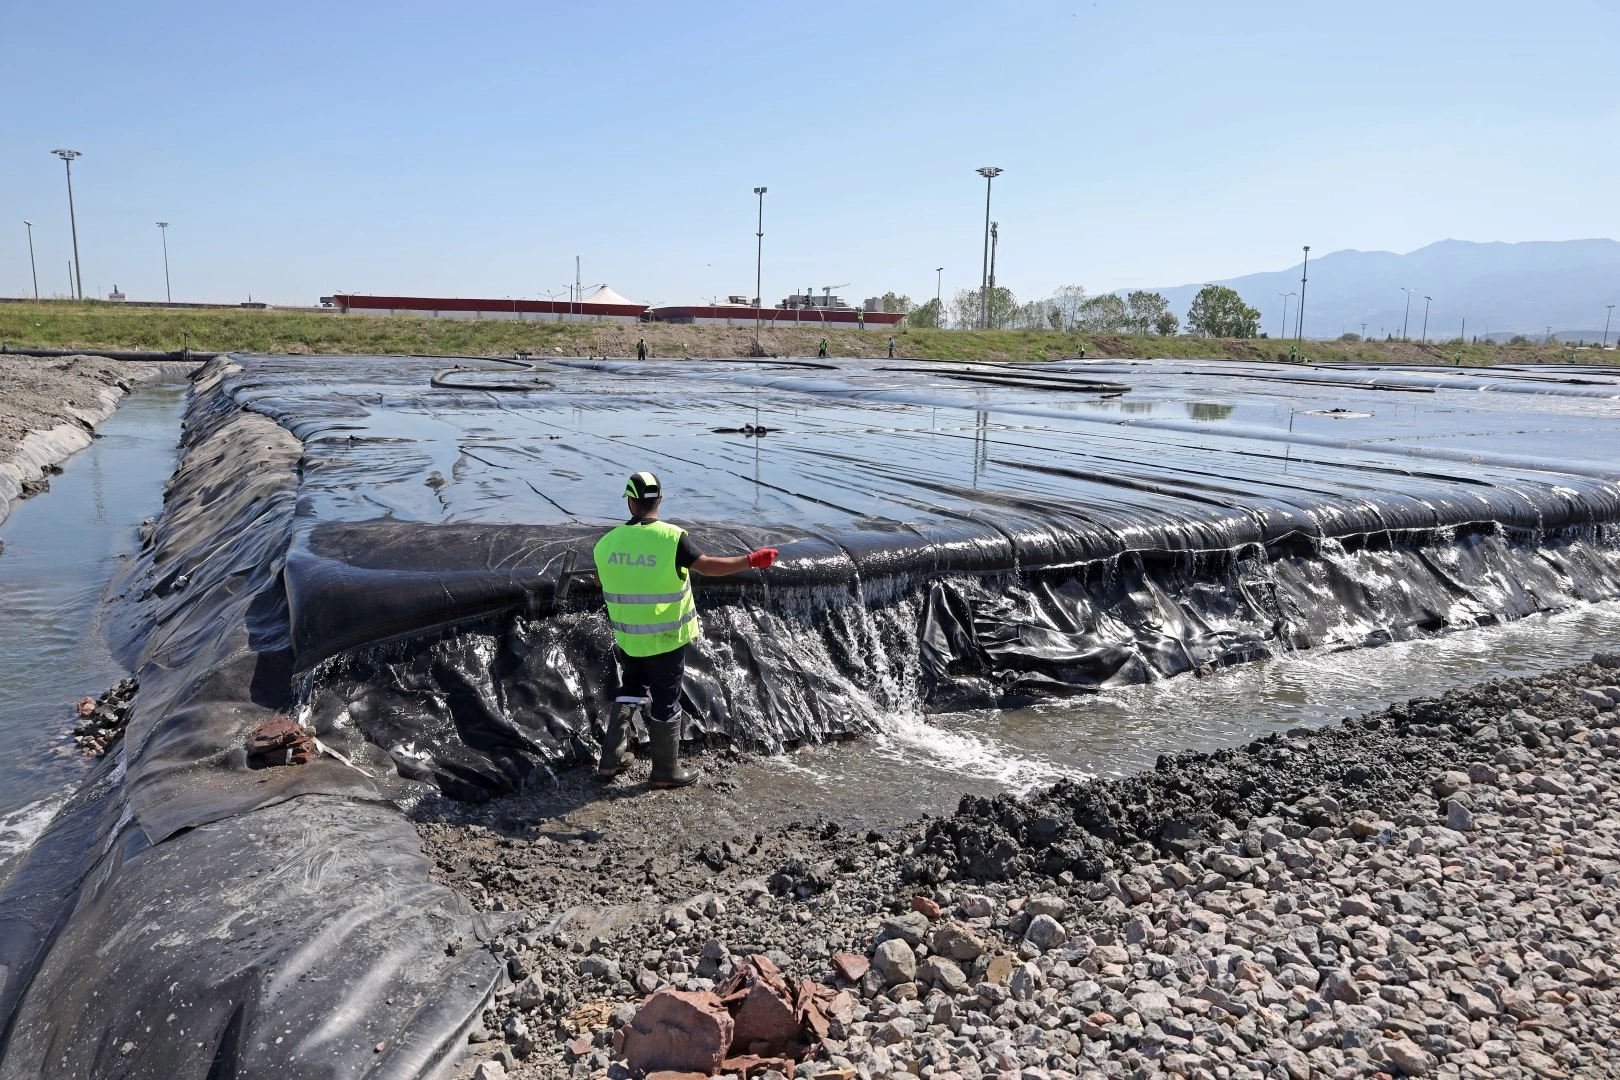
(284, 917)
(400, 565)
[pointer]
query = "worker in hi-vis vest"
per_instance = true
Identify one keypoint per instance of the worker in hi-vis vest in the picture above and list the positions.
(644, 567)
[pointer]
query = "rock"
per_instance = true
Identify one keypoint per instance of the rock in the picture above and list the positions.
(1595, 698)
(1357, 905)
(1340, 986)
(999, 970)
(1459, 817)
(1151, 1007)
(1481, 773)
(1111, 954)
(517, 1036)
(1024, 981)
(766, 1022)
(1046, 905)
(957, 942)
(1045, 933)
(677, 1030)
(528, 994)
(489, 1070)
(978, 906)
(1230, 866)
(1409, 1057)
(895, 962)
(943, 973)
(1450, 782)
(851, 966)
(599, 967)
(925, 907)
(910, 928)
(1475, 1004)
(1548, 786)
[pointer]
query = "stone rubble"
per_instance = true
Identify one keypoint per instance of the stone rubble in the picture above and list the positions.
(102, 720)
(1426, 891)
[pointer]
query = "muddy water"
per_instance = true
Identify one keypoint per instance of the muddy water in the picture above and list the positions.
(924, 766)
(62, 548)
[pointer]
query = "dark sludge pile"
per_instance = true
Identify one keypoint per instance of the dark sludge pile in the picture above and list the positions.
(396, 565)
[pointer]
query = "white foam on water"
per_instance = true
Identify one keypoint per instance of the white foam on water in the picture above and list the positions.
(914, 740)
(21, 827)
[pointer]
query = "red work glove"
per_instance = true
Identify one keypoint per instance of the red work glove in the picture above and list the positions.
(762, 558)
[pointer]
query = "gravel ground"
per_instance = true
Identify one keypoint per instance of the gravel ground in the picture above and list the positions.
(1428, 890)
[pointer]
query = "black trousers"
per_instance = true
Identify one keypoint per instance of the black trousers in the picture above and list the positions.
(658, 677)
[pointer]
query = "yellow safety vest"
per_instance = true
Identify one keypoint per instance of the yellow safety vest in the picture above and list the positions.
(649, 597)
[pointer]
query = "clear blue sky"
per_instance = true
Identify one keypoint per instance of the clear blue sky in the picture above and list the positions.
(299, 148)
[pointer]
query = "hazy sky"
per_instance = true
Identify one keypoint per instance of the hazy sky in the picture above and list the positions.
(303, 148)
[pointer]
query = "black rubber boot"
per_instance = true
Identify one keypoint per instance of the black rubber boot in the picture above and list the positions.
(616, 756)
(667, 771)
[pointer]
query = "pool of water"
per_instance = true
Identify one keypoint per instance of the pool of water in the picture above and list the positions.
(62, 548)
(924, 765)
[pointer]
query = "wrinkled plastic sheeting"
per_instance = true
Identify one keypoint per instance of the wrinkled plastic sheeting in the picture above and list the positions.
(178, 874)
(479, 710)
(289, 943)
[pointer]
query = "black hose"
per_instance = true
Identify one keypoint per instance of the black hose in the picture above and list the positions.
(112, 354)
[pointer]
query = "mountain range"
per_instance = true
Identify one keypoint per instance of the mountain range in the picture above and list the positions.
(1500, 290)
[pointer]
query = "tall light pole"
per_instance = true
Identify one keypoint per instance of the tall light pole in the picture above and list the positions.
(1299, 316)
(163, 228)
(1426, 300)
(939, 282)
(1606, 318)
(989, 172)
(67, 157)
(759, 265)
(32, 269)
(1405, 319)
(1285, 296)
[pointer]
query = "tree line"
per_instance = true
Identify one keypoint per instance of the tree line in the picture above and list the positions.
(1216, 311)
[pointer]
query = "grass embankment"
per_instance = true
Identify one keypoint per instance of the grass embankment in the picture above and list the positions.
(58, 324)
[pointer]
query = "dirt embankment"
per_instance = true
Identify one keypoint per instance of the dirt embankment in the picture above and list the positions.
(1429, 890)
(49, 409)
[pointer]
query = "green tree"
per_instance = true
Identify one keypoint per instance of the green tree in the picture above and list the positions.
(965, 307)
(1036, 315)
(1103, 314)
(1143, 311)
(1220, 312)
(896, 304)
(926, 316)
(1066, 301)
(1166, 324)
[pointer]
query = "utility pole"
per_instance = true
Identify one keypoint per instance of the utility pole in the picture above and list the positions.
(1606, 318)
(163, 229)
(579, 293)
(1363, 331)
(995, 240)
(67, 157)
(1405, 319)
(1285, 296)
(1426, 300)
(759, 267)
(939, 281)
(989, 172)
(34, 270)
(1299, 316)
